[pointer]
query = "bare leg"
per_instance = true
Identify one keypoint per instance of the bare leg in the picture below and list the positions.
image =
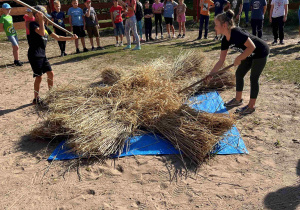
(173, 30)
(117, 39)
(238, 95)
(82, 42)
(98, 41)
(91, 41)
(121, 38)
(179, 27)
(37, 85)
(16, 52)
(168, 29)
(252, 103)
(76, 43)
(183, 27)
(50, 77)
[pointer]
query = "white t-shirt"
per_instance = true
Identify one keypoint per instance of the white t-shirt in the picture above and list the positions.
(278, 10)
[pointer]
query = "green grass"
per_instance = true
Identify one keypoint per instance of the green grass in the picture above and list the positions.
(283, 70)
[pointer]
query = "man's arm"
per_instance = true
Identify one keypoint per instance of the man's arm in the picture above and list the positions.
(63, 38)
(271, 12)
(88, 12)
(286, 12)
(70, 21)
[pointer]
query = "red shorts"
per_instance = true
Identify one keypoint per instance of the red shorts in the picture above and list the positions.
(181, 18)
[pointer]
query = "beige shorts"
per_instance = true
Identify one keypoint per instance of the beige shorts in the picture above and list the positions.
(92, 31)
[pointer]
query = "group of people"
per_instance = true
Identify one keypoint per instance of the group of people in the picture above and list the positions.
(253, 55)
(278, 15)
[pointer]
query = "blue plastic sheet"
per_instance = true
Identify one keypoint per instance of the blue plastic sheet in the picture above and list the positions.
(150, 144)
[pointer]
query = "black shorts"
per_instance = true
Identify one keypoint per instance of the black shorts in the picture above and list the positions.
(169, 21)
(39, 66)
(59, 32)
(78, 30)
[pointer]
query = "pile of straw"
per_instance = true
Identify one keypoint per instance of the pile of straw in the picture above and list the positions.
(98, 120)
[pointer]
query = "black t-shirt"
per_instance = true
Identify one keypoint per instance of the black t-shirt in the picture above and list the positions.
(148, 12)
(139, 14)
(37, 43)
(58, 18)
(239, 37)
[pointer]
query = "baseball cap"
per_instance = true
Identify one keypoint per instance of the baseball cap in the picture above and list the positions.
(43, 10)
(6, 6)
(28, 10)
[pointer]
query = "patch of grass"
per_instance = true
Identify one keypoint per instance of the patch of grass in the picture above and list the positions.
(283, 70)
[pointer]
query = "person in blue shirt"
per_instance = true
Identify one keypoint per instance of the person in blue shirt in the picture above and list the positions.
(258, 10)
(169, 6)
(77, 23)
(58, 18)
(219, 8)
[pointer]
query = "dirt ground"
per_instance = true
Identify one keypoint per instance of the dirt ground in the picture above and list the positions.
(267, 178)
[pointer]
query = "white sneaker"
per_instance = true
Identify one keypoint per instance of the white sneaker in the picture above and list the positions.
(121, 44)
(174, 36)
(162, 36)
(169, 36)
(156, 38)
(117, 44)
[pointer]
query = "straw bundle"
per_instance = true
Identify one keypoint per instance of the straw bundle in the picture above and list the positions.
(98, 120)
(110, 76)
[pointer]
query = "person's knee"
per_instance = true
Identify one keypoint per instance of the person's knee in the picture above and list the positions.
(50, 74)
(38, 79)
(16, 47)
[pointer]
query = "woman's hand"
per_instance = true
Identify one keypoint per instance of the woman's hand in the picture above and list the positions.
(74, 37)
(237, 61)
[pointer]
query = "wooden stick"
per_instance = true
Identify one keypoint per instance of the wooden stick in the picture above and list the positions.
(198, 82)
(54, 24)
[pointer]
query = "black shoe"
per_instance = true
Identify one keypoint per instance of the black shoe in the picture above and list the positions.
(147, 40)
(101, 48)
(281, 42)
(274, 42)
(199, 38)
(37, 101)
(65, 54)
(151, 39)
(179, 36)
(93, 49)
(77, 50)
(85, 50)
(183, 35)
(62, 54)
(205, 37)
(18, 63)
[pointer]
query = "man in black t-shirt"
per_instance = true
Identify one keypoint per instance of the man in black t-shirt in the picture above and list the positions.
(148, 21)
(39, 34)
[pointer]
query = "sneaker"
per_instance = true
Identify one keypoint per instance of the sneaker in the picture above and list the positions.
(121, 44)
(85, 49)
(162, 37)
(183, 35)
(199, 38)
(281, 42)
(142, 40)
(151, 39)
(179, 36)
(127, 47)
(147, 40)
(156, 38)
(18, 63)
(205, 37)
(117, 44)
(169, 36)
(77, 51)
(233, 103)
(100, 48)
(37, 101)
(274, 42)
(65, 54)
(216, 38)
(93, 49)
(137, 48)
(244, 110)
(62, 54)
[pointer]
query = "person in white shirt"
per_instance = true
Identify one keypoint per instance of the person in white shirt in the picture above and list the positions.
(278, 16)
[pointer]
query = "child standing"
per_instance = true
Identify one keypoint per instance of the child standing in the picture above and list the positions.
(36, 53)
(6, 22)
(169, 6)
(130, 23)
(139, 14)
(28, 17)
(148, 21)
(77, 24)
(157, 8)
(92, 24)
(117, 21)
(258, 10)
(205, 5)
(219, 8)
(58, 18)
(299, 21)
(278, 16)
(181, 8)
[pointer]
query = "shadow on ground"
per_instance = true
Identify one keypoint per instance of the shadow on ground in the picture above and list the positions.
(285, 198)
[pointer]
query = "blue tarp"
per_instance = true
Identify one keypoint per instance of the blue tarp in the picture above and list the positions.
(149, 144)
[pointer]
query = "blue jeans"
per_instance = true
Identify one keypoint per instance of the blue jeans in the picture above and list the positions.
(139, 25)
(203, 18)
(14, 40)
(130, 24)
(119, 30)
(246, 8)
(299, 16)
